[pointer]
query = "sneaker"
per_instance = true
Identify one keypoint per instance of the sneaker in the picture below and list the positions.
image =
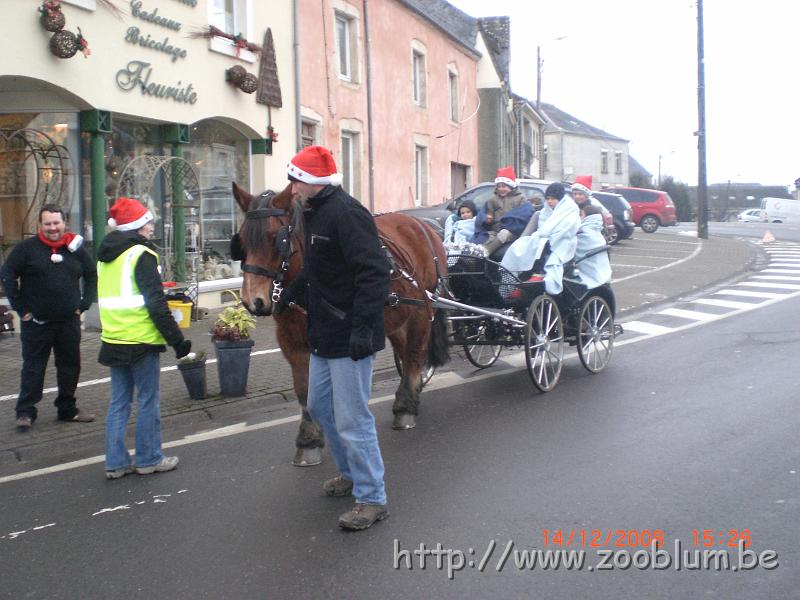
(167, 464)
(24, 423)
(338, 486)
(363, 516)
(79, 417)
(121, 472)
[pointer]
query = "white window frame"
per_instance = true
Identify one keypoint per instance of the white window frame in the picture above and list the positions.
(618, 162)
(420, 175)
(344, 62)
(242, 18)
(315, 132)
(351, 177)
(419, 74)
(85, 4)
(452, 94)
(604, 161)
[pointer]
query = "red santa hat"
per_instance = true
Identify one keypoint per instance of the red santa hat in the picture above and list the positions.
(506, 175)
(583, 183)
(314, 165)
(129, 215)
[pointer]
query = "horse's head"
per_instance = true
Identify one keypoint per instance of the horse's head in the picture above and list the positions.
(271, 238)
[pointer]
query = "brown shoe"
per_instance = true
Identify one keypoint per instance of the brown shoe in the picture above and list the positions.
(363, 516)
(80, 417)
(338, 486)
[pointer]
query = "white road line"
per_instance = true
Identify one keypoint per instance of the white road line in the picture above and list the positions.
(694, 315)
(788, 286)
(724, 303)
(698, 247)
(91, 382)
(777, 277)
(752, 294)
(785, 264)
(784, 271)
(646, 328)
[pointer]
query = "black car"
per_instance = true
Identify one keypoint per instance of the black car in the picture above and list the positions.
(622, 213)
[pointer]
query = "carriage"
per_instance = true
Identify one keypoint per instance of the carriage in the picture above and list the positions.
(491, 308)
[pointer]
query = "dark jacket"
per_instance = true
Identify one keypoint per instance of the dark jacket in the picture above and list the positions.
(345, 274)
(149, 281)
(513, 220)
(50, 291)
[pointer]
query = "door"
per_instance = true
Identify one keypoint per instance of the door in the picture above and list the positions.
(459, 175)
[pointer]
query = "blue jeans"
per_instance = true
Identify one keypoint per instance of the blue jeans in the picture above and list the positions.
(338, 393)
(144, 375)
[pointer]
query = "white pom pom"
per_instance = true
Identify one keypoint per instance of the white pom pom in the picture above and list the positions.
(76, 243)
(191, 356)
(336, 178)
(111, 222)
(56, 258)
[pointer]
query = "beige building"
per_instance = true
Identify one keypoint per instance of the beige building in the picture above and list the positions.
(150, 113)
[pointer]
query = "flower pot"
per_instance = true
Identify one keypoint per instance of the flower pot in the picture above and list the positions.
(194, 376)
(233, 365)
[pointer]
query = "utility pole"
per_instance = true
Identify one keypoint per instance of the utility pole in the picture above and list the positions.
(538, 77)
(702, 190)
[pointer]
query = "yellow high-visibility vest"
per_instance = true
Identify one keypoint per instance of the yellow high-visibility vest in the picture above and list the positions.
(123, 314)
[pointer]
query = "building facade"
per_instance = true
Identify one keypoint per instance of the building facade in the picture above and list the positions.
(151, 111)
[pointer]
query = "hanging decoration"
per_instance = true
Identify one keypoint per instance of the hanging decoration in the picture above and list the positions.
(239, 41)
(238, 76)
(51, 17)
(269, 89)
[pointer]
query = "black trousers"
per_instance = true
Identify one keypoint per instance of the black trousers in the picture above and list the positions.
(64, 339)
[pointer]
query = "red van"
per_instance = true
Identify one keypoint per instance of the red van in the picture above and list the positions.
(651, 208)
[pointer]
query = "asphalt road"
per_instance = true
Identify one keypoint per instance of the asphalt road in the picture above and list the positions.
(783, 232)
(683, 433)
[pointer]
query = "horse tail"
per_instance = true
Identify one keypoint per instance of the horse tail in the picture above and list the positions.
(438, 347)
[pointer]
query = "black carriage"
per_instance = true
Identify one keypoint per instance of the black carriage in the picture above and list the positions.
(492, 308)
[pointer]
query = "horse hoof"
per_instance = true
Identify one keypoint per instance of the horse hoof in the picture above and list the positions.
(307, 457)
(404, 421)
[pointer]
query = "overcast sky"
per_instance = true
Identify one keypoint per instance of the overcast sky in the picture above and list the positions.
(629, 67)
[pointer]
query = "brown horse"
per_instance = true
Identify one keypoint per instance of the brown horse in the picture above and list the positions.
(272, 238)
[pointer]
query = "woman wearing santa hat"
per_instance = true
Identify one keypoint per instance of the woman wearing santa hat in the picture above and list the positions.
(137, 324)
(344, 285)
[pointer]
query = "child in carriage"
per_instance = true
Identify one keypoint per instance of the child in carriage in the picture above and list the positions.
(557, 229)
(460, 226)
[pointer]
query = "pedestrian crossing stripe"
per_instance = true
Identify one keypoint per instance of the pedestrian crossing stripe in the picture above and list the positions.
(646, 328)
(788, 286)
(751, 294)
(725, 303)
(693, 315)
(777, 277)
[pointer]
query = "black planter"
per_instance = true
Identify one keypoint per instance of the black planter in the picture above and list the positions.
(194, 376)
(233, 365)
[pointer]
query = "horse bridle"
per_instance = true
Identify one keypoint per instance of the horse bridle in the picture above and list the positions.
(283, 244)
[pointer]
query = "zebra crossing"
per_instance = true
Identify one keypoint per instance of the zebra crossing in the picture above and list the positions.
(778, 281)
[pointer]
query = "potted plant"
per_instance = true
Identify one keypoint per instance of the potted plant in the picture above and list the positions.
(231, 337)
(193, 370)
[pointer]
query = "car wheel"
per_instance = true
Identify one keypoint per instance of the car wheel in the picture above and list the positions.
(612, 237)
(648, 223)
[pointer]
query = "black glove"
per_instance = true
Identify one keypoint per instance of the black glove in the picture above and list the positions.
(361, 343)
(182, 348)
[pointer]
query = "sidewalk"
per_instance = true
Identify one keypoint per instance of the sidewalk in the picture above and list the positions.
(269, 384)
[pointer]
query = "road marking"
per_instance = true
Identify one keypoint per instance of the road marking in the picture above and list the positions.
(777, 277)
(784, 271)
(694, 315)
(758, 284)
(698, 247)
(91, 382)
(752, 294)
(646, 328)
(724, 303)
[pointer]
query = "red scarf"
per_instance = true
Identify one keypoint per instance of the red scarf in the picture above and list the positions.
(65, 240)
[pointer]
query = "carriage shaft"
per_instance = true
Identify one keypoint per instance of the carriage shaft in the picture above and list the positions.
(440, 302)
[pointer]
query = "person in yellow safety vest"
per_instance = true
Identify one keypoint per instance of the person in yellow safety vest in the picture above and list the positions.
(137, 325)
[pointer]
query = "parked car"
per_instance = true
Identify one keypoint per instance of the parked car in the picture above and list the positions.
(622, 213)
(532, 189)
(780, 210)
(651, 208)
(751, 215)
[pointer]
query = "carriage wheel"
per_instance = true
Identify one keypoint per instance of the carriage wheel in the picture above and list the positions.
(544, 343)
(595, 334)
(426, 372)
(481, 355)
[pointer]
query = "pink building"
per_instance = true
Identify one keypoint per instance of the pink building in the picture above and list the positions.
(390, 87)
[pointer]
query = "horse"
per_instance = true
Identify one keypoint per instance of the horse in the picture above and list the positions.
(272, 240)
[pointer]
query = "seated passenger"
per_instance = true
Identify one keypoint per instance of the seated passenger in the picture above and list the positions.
(559, 228)
(504, 215)
(595, 270)
(460, 226)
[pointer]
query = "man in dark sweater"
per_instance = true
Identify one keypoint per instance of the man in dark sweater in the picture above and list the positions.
(42, 280)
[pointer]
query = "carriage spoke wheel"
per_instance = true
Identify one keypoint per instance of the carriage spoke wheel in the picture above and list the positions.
(595, 334)
(544, 343)
(426, 372)
(482, 355)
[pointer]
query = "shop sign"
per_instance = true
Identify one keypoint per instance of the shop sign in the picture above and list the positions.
(134, 36)
(138, 73)
(153, 17)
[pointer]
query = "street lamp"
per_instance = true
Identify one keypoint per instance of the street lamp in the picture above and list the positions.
(660, 156)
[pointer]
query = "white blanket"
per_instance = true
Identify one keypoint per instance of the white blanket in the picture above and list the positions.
(595, 270)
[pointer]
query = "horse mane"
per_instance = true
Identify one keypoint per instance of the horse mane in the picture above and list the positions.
(253, 234)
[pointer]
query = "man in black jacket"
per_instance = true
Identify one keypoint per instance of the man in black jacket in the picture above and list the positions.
(42, 280)
(345, 283)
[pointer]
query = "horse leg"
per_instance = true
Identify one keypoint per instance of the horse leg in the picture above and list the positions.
(310, 440)
(412, 350)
